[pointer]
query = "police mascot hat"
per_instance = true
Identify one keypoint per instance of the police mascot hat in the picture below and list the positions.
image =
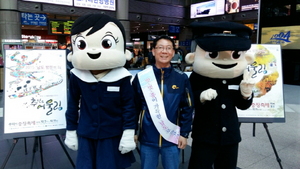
(221, 36)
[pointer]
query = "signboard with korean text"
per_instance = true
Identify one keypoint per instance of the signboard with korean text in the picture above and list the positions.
(96, 4)
(58, 2)
(33, 19)
(268, 104)
(35, 94)
(287, 36)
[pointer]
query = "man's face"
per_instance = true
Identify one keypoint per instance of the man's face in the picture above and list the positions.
(222, 64)
(101, 50)
(163, 53)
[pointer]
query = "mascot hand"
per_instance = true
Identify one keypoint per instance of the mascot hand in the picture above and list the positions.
(208, 95)
(127, 143)
(71, 140)
(247, 83)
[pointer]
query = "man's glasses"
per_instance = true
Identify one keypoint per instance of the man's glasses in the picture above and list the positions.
(161, 48)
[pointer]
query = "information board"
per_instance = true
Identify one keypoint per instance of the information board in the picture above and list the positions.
(268, 104)
(35, 95)
(60, 27)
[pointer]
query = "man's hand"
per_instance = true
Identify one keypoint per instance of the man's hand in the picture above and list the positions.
(208, 95)
(127, 142)
(247, 83)
(71, 140)
(182, 142)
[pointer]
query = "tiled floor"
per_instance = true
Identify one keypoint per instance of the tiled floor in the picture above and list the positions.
(254, 152)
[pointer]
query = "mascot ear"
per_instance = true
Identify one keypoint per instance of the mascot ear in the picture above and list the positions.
(249, 57)
(189, 58)
(128, 55)
(69, 56)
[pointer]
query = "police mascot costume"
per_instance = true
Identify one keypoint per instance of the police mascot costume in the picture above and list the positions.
(220, 84)
(101, 113)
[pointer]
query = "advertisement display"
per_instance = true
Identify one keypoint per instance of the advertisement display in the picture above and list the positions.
(235, 6)
(287, 36)
(35, 95)
(248, 5)
(268, 105)
(207, 8)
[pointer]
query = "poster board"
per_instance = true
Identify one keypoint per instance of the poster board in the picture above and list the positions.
(35, 93)
(268, 102)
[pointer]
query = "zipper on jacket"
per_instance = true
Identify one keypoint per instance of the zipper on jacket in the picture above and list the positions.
(188, 97)
(141, 119)
(162, 95)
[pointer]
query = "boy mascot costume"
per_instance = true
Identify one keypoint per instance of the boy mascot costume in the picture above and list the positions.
(101, 113)
(220, 84)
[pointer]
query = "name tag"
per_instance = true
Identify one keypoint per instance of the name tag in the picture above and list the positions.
(113, 88)
(233, 87)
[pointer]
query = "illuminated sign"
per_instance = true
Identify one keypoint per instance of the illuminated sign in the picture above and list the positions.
(58, 2)
(207, 8)
(287, 36)
(60, 27)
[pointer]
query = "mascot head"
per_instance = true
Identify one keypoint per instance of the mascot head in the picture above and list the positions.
(98, 43)
(221, 49)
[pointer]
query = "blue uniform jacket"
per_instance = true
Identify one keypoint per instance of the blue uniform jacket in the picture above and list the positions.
(177, 99)
(216, 121)
(103, 109)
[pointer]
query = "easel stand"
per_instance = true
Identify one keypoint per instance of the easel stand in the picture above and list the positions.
(37, 144)
(271, 141)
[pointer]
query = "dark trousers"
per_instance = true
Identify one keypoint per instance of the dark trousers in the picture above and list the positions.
(207, 156)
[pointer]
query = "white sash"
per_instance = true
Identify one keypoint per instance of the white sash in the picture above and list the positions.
(167, 129)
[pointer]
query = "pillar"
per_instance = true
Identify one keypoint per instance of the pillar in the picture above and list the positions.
(122, 15)
(10, 24)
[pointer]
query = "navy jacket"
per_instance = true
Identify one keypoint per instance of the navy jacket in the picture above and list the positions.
(103, 109)
(177, 99)
(216, 121)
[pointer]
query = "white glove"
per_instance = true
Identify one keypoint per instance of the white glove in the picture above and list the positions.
(208, 95)
(127, 143)
(247, 83)
(71, 140)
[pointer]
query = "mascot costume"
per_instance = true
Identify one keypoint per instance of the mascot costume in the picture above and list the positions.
(220, 84)
(101, 113)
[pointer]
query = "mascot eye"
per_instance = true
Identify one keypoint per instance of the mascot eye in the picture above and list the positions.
(108, 42)
(80, 43)
(236, 54)
(213, 55)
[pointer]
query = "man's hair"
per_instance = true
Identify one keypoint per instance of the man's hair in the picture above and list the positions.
(163, 37)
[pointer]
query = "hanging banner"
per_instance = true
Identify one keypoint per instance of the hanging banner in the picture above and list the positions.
(35, 95)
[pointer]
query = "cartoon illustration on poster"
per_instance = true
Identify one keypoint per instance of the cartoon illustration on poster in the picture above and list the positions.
(268, 90)
(35, 90)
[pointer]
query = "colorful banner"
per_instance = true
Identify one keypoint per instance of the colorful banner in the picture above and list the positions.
(35, 95)
(267, 103)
